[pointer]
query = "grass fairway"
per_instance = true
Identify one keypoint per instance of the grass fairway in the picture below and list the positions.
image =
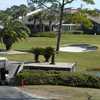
(86, 60)
(63, 92)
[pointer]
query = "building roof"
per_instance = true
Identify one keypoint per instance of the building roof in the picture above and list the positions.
(95, 19)
(34, 12)
(71, 10)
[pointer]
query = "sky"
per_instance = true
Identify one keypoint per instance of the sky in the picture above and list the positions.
(76, 4)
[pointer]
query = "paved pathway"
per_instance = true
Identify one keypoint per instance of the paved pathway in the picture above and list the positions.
(11, 93)
(11, 52)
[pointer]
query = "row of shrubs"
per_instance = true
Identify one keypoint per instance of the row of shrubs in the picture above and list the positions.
(58, 78)
(73, 32)
(44, 34)
(53, 34)
(46, 52)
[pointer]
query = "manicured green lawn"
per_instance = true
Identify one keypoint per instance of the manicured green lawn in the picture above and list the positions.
(84, 61)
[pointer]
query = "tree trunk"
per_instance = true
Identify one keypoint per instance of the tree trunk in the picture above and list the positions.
(35, 25)
(40, 25)
(8, 42)
(36, 58)
(53, 59)
(50, 25)
(47, 58)
(59, 29)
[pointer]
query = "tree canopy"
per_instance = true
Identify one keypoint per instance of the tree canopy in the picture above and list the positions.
(16, 11)
(78, 18)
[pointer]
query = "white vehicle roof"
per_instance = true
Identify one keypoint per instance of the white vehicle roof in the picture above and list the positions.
(3, 58)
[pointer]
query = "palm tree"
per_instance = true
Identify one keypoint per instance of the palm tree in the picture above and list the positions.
(50, 17)
(23, 10)
(37, 21)
(13, 31)
(40, 20)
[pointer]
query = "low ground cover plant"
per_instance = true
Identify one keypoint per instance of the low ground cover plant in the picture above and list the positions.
(58, 78)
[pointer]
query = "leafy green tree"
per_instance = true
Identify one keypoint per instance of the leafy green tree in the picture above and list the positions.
(4, 17)
(61, 4)
(79, 18)
(23, 10)
(37, 19)
(16, 11)
(40, 19)
(13, 11)
(93, 12)
(50, 17)
(82, 17)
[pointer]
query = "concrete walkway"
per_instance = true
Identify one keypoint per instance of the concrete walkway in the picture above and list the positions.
(12, 93)
(11, 52)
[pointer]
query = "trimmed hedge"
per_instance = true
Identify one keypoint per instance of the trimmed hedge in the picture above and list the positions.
(58, 78)
(44, 34)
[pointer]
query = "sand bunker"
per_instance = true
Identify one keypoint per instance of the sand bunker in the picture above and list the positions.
(78, 48)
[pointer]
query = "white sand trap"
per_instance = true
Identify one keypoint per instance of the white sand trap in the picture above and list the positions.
(78, 48)
(72, 49)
